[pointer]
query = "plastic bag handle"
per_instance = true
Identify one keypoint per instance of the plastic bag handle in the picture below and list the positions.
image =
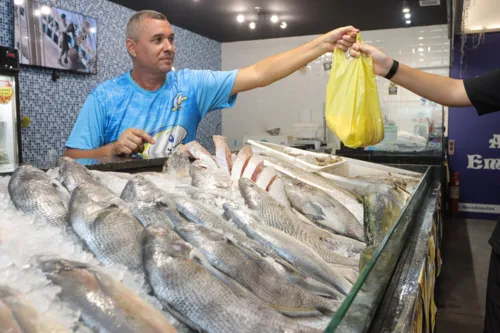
(340, 55)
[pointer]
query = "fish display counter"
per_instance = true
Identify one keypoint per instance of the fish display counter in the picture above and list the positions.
(270, 239)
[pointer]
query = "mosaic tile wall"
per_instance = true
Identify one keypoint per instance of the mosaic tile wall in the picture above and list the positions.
(54, 106)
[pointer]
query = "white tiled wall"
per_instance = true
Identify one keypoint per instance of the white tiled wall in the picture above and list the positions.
(301, 96)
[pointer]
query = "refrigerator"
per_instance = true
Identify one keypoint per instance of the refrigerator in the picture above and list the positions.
(10, 122)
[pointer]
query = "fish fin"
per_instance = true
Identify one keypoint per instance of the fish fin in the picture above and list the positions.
(183, 319)
(297, 312)
(64, 195)
(250, 253)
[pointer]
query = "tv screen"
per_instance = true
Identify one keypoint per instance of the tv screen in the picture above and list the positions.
(55, 38)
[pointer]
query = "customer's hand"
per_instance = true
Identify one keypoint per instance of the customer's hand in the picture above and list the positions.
(381, 63)
(130, 142)
(342, 38)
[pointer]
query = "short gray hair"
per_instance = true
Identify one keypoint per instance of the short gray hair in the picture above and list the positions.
(135, 21)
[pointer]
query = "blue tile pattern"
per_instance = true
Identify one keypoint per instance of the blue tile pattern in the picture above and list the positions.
(54, 106)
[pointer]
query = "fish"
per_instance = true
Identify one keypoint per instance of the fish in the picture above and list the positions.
(254, 273)
(209, 178)
(18, 314)
(406, 182)
(222, 154)
(105, 304)
(289, 248)
(34, 192)
(322, 209)
(72, 174)
(352, 201)
(178, 163)
(200, 299)
(329, 246)
(199, 214)
(149, 204)
(277, 191)
(241, 162)
(108, 229)
(198, 152)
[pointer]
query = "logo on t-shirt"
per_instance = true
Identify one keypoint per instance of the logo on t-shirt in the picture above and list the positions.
(178, 99)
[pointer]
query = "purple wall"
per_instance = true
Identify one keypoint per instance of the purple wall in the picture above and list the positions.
(472, 134)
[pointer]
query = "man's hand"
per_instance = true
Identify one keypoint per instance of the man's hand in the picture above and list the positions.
(343, 38)
(130, 142)
(381, 63)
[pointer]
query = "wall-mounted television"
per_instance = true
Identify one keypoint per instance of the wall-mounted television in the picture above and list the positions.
(55, 38)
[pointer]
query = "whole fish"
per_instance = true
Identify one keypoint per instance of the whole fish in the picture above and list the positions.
(289, 248)
(17, 314)
(34, 192)
(254, 273)
(222, 154)
(275, 215)
(149, 204)
(200, 299)
(108, 229)
(105, 304)
(322, 209)
(178, 163)
(353, 202)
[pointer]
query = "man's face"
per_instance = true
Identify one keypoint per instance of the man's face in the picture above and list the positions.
(155, 46)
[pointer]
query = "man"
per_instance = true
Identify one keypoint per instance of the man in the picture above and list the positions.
(152, 109)
(64, 43)
(482, 92)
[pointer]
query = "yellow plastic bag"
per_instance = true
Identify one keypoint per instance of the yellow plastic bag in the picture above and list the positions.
(352, 104)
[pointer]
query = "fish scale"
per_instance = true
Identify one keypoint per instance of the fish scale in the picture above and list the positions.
(253, 272)
(275, 215)
(201, 299)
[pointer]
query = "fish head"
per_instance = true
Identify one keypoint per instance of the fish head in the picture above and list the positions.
(139, 188)
(71, 173)
(205, 176)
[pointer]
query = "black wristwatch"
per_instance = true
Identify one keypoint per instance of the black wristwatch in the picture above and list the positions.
(393, 70)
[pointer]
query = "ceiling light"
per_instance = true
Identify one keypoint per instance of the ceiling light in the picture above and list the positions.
(283, 25)
(45, 10)
(420, 38)
(37, 12)
(408, 22)
(421, 59)
(252, 25)
(240, 18)
(420, 49)
(18, 2)
(407, 15)
(406, 10)
(274, 19)
(93, 30)
(421, 54)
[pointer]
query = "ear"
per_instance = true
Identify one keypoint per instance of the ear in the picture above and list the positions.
(131, 47)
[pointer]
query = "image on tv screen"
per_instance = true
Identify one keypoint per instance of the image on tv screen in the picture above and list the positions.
(55, 38)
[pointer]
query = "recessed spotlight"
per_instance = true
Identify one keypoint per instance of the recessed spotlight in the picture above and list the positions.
(252, 25)
(406, 10)
(45, 10)
(37, 12)
(420, 38)
(408, 22)
(274, 18)
(421, 59)
(420, 49)
(283, 25)
(421, 54)
(18, 2)
(240, 18)
(93, 30)
(407, 15)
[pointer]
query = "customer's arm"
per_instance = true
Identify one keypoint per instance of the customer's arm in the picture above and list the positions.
(439, 89)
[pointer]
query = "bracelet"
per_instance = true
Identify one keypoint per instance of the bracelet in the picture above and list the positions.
(393, 70)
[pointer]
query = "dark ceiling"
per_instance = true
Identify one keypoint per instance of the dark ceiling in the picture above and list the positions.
(216, 19)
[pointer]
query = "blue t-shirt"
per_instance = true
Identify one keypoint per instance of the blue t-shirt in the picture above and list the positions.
(170, 114)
